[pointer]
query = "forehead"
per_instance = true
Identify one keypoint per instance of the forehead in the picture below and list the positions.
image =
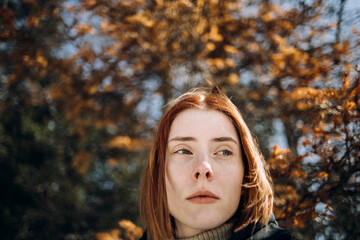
(193, 122)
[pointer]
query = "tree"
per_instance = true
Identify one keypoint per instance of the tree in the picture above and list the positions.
(271, 56)
(319, 185)
(94, 108)
(47, 194)
(40, 188)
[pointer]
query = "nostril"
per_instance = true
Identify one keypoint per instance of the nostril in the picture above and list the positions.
(205, 173)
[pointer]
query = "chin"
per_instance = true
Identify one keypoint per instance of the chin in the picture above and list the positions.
(206, 224)
(211, 218)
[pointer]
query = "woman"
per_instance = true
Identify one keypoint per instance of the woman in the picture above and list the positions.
(205, 178)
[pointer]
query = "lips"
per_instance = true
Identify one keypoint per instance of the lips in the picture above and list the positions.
(203, 197)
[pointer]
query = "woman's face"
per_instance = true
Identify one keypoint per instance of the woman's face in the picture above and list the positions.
(204, 171)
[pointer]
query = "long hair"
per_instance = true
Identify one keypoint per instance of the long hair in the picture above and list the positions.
(256, 200)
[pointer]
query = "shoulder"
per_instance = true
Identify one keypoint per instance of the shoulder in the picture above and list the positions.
(271, 232)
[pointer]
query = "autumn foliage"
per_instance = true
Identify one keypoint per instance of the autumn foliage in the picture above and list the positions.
(82, 85)
(127, 231)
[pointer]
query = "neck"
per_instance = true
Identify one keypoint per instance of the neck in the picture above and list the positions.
(220, 233)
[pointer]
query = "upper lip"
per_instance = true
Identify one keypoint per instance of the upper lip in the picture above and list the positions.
(203, 193)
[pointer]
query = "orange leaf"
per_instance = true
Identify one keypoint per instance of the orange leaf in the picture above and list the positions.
(82, 161)
(322, 175)
(141, 18)
(298, 174)
(306, 142)
(200, 27)
(103, 236)
(278, 151)
(127, 143)
(214, 34)
(230, 49)
(298, 222)
(132, 231)
(233, 79)
(210, 46)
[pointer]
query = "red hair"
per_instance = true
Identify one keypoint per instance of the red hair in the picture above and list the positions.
(256, 200)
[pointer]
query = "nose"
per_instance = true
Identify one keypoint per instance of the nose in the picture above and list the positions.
(203, 170)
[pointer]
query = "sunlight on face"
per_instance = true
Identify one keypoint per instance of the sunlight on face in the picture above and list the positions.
(204, 171)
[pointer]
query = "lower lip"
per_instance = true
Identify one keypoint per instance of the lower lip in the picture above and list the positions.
(203, 200)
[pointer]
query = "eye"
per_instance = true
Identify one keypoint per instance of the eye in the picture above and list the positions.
(224, 153)
(183, 151)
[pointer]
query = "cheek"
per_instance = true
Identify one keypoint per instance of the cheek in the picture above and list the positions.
(173, 175)
(233, 178)
(174, 187)
(233, 184)
(177, 174)
(169, 183)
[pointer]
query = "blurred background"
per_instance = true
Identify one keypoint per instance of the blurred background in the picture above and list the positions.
(83, 84)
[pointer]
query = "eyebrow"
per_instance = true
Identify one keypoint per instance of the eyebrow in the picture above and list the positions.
(182, 139)
(224, 139)
(192, 139)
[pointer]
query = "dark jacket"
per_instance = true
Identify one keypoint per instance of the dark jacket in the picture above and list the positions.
(271, 232)
(260, 232)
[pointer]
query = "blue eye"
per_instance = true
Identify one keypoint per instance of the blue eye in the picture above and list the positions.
(225, 153)
(183, 151)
